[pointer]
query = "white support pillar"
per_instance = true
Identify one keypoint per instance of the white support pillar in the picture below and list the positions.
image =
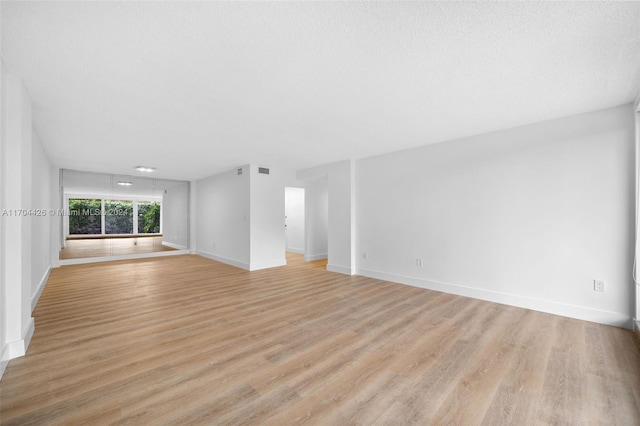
(15, 219)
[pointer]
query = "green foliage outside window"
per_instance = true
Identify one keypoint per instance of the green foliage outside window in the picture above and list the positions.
(148, 218)
(84, 216)
(118, 217)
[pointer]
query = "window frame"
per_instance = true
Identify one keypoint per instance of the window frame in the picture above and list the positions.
(103, 199)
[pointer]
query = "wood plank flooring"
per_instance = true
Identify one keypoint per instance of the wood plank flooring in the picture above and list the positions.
(185, 340)
(80, 248)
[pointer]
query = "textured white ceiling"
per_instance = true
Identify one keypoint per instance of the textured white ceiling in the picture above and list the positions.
(199, 88)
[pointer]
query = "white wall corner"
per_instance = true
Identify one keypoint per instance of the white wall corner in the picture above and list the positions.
(38, 293)
(18, 348)
(237, 264)
(318, 256)
(28, 333)
(4, 360)
(3, 367)
(274, 263)
(193, 217)
(345, 270)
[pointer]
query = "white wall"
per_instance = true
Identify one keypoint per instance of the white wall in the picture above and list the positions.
(15, 235)
(267, 243)
(40, 224)
(294, 212)
(193, 216)
(222, 217)
(175, 216)
(3, 283)
(637, 212)
(240, 218)
(342, 217)
(316, 219)
(342, 205)
(528, 216)
(57, 222)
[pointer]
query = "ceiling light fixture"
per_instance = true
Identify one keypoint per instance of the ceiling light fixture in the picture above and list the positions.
(145, 169)
(121, 183)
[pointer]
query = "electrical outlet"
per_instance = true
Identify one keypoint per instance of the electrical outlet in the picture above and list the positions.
(418, 262)
(598, 285)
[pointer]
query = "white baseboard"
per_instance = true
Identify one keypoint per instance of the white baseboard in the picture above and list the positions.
(174, 246)
(18, 348)
(4, 360)
(38, 293)
(256, 266)
(27, 334)
(339, 269)
(3, 367)
(312, 257)
(636, 327)
(295, 250)
(221, 259)
(548, 306)
(122, 257)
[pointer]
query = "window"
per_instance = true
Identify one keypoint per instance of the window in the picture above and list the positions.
(111, 217)
(118, 217)
(148, 217)
(85, 216)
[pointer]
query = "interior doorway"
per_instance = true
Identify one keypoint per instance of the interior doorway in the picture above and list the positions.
(294, 219)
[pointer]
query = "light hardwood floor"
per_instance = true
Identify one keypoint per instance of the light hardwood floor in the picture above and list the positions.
(186, 340)
(80, 248)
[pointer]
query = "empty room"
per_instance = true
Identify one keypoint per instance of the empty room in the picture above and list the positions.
(319, 213)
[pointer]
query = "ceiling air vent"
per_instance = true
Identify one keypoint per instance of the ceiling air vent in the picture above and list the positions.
(263, 170)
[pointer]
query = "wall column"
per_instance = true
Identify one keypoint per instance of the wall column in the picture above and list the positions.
(15, 221)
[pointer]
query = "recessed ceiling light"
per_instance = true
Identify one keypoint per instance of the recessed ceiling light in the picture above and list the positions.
(125, 183)
(145, 169)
